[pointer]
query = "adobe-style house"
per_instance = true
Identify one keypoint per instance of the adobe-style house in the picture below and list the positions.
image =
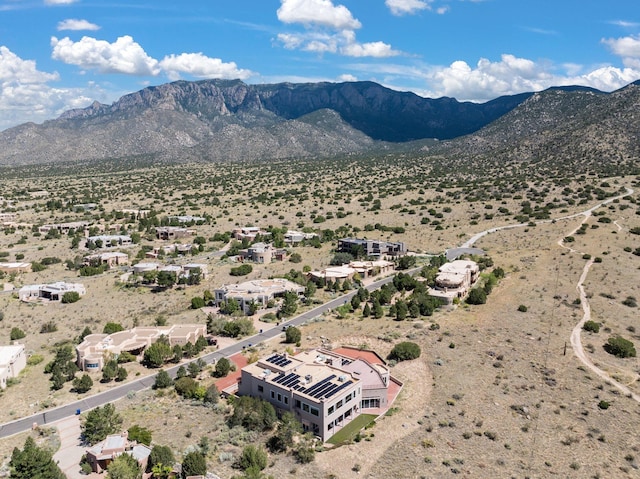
(102, 454)
(15, 267)
(325, 390)
(63, 228)
(187, 219)
(94, 348)
(110, 259)
(364, 269)
(263, 253)
(108, 241)
(49, 292)
(295, 237)
(173, 232)
(12, 360)
(258, 291)
(248, 233)
(371, 248)
(454, 280)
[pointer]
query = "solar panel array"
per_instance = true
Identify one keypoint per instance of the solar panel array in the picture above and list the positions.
(279, 360)
(288, 381)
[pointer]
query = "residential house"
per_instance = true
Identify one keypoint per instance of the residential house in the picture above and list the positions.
(249, 233)
(187, 219)
(15, 267)
(93, 350)
(102, 454)
(173, 232)
(12, 360)
(454, 280)
(49, 292)
(323, 389)
(259, 291)
(263, 253)
(110, 259)
(364, 269)
(295, 237)
(64, 228)
(371, 248)
(109, 241)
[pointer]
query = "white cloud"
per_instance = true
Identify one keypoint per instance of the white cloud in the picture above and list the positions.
(347, 77)
(77, 24)
(123, 56)
(628, 48)
(201, 66)
(371, 49)
(26, 96)
(512, 75)
(59, 2)
(317, 12)
(406, 7)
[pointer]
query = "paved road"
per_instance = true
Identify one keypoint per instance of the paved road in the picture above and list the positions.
(52, 415)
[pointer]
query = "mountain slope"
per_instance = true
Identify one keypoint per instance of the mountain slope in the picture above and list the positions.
(228, 119)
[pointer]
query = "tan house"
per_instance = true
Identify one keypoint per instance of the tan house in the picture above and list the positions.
(15, 267)
(454, 280)
(324, 390)
(173, 232)
(259, 291)
(12, 360)
(249, 233)
(110, 259)
(96, 348)
(263, 253)
(102, 454)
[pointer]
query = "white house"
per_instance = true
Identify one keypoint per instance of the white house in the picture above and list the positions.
(12, 360)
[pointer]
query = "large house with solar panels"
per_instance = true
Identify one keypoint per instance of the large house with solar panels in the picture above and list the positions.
(324, 390)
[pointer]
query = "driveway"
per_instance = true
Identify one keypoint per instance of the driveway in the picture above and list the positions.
(70, 452)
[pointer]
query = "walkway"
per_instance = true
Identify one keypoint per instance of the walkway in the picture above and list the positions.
(70, 453)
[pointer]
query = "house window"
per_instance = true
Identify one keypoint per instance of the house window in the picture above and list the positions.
(297, 403)
(330, 410)
(260, 389)
(348, 398)
(339, 404)
(273, 394)
(305, 407)
(279, 397)
(314, 411)
(286, 400)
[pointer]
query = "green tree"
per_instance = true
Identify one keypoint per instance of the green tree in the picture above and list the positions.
(161, 455)
(157, 354)
(366, 311)
(252, 413)
(223, 366)
(402, 310)
(591, 326)
(186, 387)
(166, 279)
(124, 466)
(289, 304)
(163, 380)
(33, 462)
(406, 262)
(109, 370)
(139, 434)
(212, 396)
(477, 296)
(122, 374)
(194, 464)
(378, 311)
(197, 302)
(405, 351)
(288, 428)
(253, 457)
(82, 384)
(241, 270)
(292, 335)
(101, 422)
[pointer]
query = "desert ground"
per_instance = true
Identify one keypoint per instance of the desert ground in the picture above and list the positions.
(497, 391)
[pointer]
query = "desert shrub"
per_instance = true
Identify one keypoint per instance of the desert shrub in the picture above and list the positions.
(197, 302)
(295, 258)
(35, 359)
(242, 270)
(163, 380)
(253, 457)
(111, 328)
(16, 333)
(70, 297)
(223, 366)
(522, 308)
(620, 347)
(591, 326)
(405, 351)
(48, 327)
(252, 413)
(477, 296)
(630, 301)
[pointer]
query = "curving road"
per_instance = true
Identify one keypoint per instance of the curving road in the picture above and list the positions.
(52, 415)
(90, 402)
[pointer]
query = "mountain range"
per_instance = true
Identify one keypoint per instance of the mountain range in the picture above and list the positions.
(215, 120)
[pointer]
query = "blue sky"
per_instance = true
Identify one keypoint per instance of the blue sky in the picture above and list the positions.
(62, 54)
